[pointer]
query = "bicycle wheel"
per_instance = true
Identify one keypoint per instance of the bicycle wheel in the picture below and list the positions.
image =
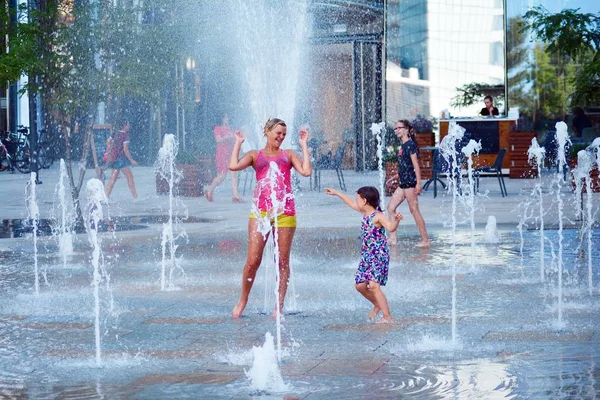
(21, 160)
(44, 160)
(4, 161)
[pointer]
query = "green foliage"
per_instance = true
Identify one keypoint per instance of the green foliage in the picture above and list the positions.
(30, 35)
(572, 38)
(390, 153)
(473, 93)
(576, 148)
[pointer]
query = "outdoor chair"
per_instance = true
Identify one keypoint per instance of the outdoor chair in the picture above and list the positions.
(492, 170)
(437, 169)
(329, 162)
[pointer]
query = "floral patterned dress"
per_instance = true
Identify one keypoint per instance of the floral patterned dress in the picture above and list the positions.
(375, 255)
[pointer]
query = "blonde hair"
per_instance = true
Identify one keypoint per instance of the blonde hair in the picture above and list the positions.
(272, 123)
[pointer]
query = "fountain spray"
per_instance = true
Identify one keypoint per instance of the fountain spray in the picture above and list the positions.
(536, 156)
(562, 138)
(33, 212)
(65, 228)
(448, 151)
(96, 196)
(581, 174)
(165, 169)
(377, 129)
(471, 148)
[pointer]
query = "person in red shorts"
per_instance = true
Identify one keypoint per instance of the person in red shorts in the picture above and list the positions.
(225, 139)
(120, 160)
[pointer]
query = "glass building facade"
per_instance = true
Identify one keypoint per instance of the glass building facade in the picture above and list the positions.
(434, 48)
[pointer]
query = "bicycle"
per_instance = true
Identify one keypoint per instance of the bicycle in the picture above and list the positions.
(15, 150)
(46, 153)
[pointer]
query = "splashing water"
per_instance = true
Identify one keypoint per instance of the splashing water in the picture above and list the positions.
(262, 26)
(471, 148)
(581, 174)
(491, 231)
(562, 138)
(67, 215)
(33, 214)
(165, 169)
(377, 129)
(448, 151)
(96, 196)
(536, 155)
(268, 224)
(264, 373)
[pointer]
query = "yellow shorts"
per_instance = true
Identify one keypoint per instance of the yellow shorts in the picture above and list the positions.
(283, 221)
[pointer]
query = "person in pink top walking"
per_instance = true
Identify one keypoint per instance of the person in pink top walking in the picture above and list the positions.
(270, 188)
(224, 137)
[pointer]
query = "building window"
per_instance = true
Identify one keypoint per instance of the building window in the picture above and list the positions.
(496, 53)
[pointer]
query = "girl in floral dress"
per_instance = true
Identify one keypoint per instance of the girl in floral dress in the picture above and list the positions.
(372, 271)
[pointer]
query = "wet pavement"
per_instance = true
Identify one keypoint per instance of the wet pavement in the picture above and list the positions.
(503, 340)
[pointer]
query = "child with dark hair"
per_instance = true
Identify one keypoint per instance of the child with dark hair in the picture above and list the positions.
(375, 256)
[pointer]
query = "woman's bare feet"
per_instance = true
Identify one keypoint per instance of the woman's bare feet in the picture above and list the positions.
(385, 320)
(238, 310)
(423, 243)
(374, 312)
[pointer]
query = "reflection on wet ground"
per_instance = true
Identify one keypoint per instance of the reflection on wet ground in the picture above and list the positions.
(15, 228)
(182, 343)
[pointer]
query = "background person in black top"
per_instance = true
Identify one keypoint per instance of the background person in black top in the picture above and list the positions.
(409, 177)
(489, 109)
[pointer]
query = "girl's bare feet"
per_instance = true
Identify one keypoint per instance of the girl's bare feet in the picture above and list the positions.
(238, 310)
(385, 320)
(274, 315)
(423, 243)
(374, 312)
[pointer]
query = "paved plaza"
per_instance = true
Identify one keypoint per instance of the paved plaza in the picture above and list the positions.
(495, 323)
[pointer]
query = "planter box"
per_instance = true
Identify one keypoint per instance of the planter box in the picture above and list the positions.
(594, 174)
(519, 143)
(189, 185)
(195, 176)
(391, 169)
(426, 157)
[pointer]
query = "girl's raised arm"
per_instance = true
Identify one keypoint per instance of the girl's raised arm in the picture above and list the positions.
(235, 162)
(303, 166)
(346, 199)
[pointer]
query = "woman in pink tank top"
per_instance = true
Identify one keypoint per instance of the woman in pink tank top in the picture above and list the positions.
(273, 203)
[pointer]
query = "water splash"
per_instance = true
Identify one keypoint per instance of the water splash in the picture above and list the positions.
(263, 26)
(33, 214)
(490, 234)
(268, 225)
(264, 373)
(96, 196)
(535, 155)
(581, 174)
(449, 153)
(471, 148)
(66, 221)
(165, 169)
(562, 138)
(377, 129)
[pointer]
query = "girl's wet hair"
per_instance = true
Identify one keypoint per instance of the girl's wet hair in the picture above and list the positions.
(412, 132)
(371, 195)
(272, 123)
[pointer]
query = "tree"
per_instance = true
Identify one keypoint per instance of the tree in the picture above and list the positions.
(574, 37)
